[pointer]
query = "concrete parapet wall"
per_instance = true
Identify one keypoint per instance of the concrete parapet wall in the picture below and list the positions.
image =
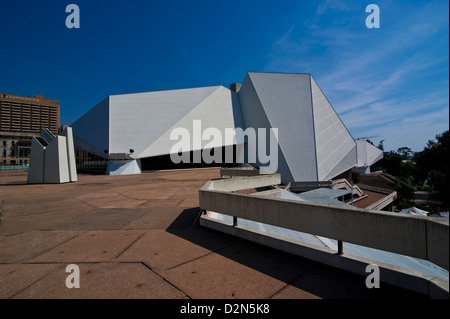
(242, 182)
(413, 236)
(437, 242)
(239, 171)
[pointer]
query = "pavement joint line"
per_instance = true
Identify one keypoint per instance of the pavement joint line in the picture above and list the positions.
(163, 278)
(78, 199)
(75, 262)
(199, 257)
(62, 265)
(54, 247)
(174, 196)
(86, 203)
(290, 282)
(1, 210)
(130, 197)
(126, 248)
(146, 201)
(37, 280)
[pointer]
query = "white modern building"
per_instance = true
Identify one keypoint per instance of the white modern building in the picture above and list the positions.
(367, 155)
(313, 142)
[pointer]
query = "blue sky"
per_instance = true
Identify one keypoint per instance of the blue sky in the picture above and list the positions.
(390, 82)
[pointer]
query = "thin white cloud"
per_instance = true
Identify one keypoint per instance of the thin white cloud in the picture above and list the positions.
(417, 130)
(389, 111)
(373, 83)
(326, 5)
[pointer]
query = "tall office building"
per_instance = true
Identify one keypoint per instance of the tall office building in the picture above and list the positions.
(21, 118)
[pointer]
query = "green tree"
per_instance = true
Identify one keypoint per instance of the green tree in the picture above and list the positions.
(405, 152)
(392, 163)
(433, 168)
(380, 145)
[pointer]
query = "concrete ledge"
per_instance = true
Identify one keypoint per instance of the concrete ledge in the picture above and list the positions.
(245, 170)
(385, 201)
(413, 236)
(242, 182)
(400, 277)
(402, 234)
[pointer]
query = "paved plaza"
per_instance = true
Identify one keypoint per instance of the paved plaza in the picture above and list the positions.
(138, 236)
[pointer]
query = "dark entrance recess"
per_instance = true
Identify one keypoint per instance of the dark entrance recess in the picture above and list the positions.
(165, 162)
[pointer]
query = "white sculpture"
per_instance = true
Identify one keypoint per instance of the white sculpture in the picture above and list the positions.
(52, 158)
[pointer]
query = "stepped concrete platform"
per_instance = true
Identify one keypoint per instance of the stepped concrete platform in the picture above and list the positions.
(138, 236)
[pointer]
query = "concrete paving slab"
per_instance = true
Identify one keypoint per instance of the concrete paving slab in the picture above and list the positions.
(113, 218)
(103, 281)
(192, 174)
(19, 224)
(329, 283)
(242, 271)
(216, 277)
(34, 205)
(160, 249)
(150, 192)
(111, 201)
(23, 247)
(16, 277)
(91, 246)
(171, 202)
(190, 202)
(292, 292)
(165, 217)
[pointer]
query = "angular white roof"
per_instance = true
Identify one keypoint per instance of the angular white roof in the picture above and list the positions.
(367, 153)
(314, 144)
(142, 122)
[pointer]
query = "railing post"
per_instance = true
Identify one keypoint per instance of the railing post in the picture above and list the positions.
(235, 223)
(340, 247)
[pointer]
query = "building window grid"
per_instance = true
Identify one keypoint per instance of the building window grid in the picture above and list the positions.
(26, 117)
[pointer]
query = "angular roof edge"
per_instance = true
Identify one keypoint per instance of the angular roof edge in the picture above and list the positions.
(170, 90)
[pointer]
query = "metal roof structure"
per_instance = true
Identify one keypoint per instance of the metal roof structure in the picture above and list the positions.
(313, 142)
(325, 196)
(367, 153)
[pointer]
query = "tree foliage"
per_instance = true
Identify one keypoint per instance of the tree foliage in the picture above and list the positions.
(433, 167)
(429, 166)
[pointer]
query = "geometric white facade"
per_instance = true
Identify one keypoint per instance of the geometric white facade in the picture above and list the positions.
(367, 155)
(123, 167)
(52, 159)
(126, 128)
(313, 143)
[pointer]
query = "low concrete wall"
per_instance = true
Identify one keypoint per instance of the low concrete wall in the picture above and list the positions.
(239, 171)
(413, 236)
(409, 235)
(241, 182)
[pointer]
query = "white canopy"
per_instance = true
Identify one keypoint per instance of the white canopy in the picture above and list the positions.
(414, 211)
(443, 215)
